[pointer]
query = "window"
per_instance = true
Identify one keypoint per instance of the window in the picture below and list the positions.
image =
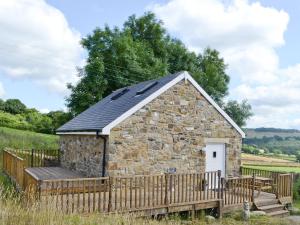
(214, 154)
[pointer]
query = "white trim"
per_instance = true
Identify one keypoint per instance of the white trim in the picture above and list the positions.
(79, 133)
(211, 101)
(184, 75)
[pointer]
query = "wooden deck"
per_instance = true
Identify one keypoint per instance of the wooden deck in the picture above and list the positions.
(52, 173)
(151, 194)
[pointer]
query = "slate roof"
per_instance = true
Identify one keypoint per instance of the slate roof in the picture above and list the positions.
(105, 111)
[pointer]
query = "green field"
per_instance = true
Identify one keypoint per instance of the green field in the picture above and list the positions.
(284, 169)
(20, 139)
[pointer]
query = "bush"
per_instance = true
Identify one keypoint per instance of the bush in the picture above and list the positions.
(296, 190)
(14, 121)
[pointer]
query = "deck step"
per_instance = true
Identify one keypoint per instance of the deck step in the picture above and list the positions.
(280, 213)
(266, 202)
(271, 208)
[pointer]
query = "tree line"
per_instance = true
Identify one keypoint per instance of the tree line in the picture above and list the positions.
(15, 114)
(143, 50)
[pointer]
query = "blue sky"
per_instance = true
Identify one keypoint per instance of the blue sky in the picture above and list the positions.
(258, 39)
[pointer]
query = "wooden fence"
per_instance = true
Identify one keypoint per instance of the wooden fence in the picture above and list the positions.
(14, 167)
(235, 191)
(119, 194)
(282, 182)
(284, 186)
(144, 192)
(16, 160)
(37, 157)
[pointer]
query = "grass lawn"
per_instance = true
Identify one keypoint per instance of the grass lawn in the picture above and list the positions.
(284, 169)
(20, 139)
(26, 139)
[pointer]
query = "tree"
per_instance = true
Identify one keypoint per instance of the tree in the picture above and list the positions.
(238, 112)
(58, 119)
(141, 50)
(298, 156)
(14, 106)
(213, 76)
(2, 105)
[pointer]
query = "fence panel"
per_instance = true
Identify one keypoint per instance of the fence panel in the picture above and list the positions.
(263, 173)
(129, 193)
(284, 186)
(37, 157)
(14, 167)
(76, 195)
(235, 191)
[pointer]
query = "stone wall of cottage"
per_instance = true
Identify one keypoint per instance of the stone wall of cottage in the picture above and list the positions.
(82, 153)
(169, 134)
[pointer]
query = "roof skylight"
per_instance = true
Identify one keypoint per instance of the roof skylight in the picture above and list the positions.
(119, 94)
(147, 87)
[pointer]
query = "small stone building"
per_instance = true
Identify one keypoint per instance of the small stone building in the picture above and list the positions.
(158, 126)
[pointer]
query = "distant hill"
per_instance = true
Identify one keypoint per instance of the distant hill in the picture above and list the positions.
(274, 140)
(271, 132)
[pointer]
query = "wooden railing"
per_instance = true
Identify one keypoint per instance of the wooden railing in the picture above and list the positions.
(236, 191)
(133, 193)
(14, 167)
(284, 186)
(37, 157)
(282, 182)
(259, 172)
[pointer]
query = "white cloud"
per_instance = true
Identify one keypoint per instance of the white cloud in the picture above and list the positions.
(247, 35)
(37, 43)
(44, 110)
(2, 91)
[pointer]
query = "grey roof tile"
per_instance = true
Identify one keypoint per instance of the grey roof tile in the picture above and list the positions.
(105, 111)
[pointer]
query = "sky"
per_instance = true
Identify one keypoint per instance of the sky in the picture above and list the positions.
(259, 40)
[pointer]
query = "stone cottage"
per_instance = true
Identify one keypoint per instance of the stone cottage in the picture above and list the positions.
(166, 125)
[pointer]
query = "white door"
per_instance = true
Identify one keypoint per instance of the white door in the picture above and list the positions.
(215, 157)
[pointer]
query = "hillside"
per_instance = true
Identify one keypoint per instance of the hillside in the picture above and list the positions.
(26, 139)
(273, 140)
(271, 132)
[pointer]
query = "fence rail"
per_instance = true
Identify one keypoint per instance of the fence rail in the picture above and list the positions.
(144, 192)
(37, 157)
(14, 167)
(282, 182)
(118, 194)
(235, 191)
(284, 186)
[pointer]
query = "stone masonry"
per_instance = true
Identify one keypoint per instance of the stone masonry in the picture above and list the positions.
(82, 153)
(170, 132)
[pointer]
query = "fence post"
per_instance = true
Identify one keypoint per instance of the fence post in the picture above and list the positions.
(39, 189)
(109, 193)
(277, 186)
(253, 187)
(292, 183)
(219, 184)
(166, 189)
(223, 189)
(32, 152)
